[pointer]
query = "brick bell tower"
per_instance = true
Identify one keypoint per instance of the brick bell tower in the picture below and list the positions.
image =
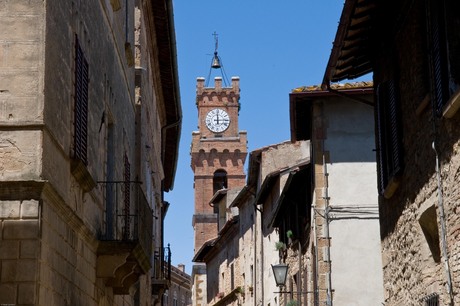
(218, 153)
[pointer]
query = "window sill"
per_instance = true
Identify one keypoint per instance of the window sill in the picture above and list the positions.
(423, 105)
(452, 105)
(81, 174)
(391, 188)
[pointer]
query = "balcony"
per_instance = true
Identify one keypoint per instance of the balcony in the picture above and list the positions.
(125, 246)
(161, 279)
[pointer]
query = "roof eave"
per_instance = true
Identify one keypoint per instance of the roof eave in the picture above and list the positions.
(167, 61)
(351, 55)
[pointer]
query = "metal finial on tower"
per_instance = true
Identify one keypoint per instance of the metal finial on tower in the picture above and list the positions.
(216, 63)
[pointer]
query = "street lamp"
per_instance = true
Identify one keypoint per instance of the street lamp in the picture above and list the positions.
(280, 273)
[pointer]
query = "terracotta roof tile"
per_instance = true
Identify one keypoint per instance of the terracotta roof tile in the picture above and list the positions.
(336, 86)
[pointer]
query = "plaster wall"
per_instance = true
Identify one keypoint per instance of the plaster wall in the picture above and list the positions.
(354, 224)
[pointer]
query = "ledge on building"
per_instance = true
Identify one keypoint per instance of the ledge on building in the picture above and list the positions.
(121, 263)
(452, 105)
(231, 296)
(82, 175)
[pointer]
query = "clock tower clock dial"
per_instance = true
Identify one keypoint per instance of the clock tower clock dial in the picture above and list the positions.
(217, 120)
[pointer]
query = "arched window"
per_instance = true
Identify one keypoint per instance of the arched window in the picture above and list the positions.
(219, 181)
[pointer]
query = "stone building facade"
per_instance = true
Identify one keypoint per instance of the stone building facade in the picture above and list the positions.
(341, 257)
(179, 292)
(84, 159)
(412, 48)
(239, 258)
(281, 206)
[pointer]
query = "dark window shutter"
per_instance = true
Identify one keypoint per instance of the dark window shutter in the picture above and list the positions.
(437, 47)
(394, 125)
(389, 134)
(382, 179)
(127, 199)
(81, 105)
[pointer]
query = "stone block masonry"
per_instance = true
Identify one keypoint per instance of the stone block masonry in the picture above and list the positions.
(19, 251)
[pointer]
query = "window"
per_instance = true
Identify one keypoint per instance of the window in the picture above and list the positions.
(431, 300)
(232, 277)
(389, 137)
(429, 224)
(81, 104)
(110, 176)
(437, 54)
(127, 199)
(166, 298)
(219, 180)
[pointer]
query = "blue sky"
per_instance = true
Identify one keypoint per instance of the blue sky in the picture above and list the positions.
(273, 47)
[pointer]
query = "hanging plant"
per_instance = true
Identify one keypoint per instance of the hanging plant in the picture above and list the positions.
(292, 303)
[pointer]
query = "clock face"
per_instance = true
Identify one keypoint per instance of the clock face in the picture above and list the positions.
(217, 120)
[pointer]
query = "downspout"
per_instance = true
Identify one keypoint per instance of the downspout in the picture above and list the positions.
(299, 284)
(315, 234)
(443, 227)
(254, 263)
(163, 137)
(262, 289)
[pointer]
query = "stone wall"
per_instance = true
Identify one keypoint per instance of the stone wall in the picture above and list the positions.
(51, 216)
(413, 268)
(19, 251)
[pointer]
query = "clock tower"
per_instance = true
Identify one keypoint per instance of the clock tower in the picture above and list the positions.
(218, 153)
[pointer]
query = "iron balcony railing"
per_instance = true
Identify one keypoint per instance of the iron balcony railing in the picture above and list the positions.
(127, 216)
(162, 264)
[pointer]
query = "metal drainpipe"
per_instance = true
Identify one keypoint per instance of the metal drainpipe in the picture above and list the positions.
(315, 233)
(254, 263)
(443, 228)
(299, 286)
(326, 221)
(262, 262)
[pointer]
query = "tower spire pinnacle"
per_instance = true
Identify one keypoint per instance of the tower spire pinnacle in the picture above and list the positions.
(216, 62)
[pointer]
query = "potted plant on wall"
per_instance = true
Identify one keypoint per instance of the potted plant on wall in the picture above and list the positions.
(292, 303)
(290, 236)
(281, 248)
